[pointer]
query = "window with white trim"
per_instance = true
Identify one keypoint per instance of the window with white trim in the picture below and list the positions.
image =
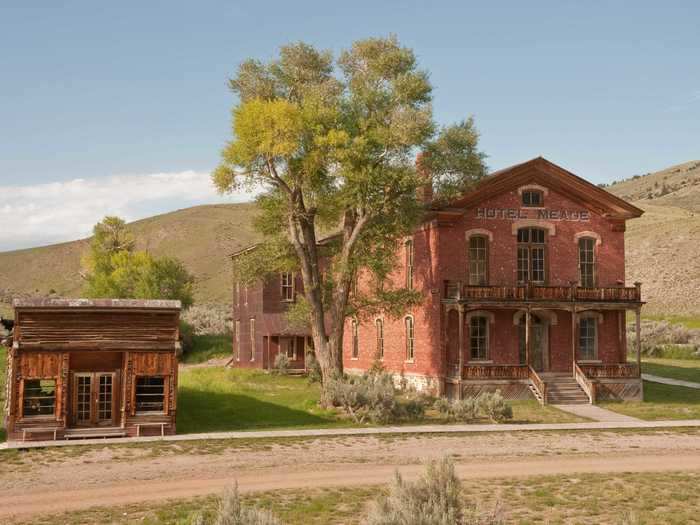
(408, 248)
(478, 260)
(587, 338)
(533, 198)
(479, 338)
(287, 286)
(410, 338)
(531, 255)
(586, 262)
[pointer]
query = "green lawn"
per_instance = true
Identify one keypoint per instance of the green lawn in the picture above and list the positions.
(686, 320)
(206, 347)
(667, 497)
(683, 369)
(661, 402)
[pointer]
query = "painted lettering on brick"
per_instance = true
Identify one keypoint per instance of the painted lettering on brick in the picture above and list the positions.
(543, 214)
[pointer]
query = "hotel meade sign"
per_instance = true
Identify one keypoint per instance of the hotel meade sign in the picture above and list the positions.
(540, 213)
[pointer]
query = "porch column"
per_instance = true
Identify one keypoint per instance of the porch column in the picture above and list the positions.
(527, 336)
(573, 339)
(460, 342)
(638, 320)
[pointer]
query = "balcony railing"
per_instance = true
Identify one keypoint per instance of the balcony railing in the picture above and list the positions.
(485, 372)
(455, 290)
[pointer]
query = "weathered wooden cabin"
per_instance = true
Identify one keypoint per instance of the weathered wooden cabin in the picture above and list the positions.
(92, 368)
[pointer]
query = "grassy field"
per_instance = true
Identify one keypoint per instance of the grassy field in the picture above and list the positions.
(668, 497)
(661, 402)
(683, 369)
(689, 321)
(206, 347)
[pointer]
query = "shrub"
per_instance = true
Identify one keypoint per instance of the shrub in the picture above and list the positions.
(281, 365)
(209, 319)
(494, 407)
(231, 511)
(663, 339)
(186, 337)
(435, 499)
(313, 369)
(462, 410)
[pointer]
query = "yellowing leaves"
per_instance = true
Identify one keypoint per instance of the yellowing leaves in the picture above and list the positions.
(265, 129)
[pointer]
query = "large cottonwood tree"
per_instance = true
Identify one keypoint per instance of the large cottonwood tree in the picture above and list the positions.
(332, 144)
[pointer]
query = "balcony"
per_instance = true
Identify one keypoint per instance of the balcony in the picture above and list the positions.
(455, 291)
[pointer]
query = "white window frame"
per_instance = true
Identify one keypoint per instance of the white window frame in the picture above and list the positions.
(355, 350)
(409, 262)
(410, 338)
(289, 286)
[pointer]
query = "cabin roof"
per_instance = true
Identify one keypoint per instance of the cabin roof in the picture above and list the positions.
(135, 304)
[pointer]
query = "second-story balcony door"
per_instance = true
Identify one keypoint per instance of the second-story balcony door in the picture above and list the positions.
(532, 256)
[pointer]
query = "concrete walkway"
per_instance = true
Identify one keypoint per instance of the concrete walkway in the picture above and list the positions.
(597, 413)
(669, 381)
(629, 423)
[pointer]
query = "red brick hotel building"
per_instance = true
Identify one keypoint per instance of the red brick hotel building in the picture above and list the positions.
(523, 285)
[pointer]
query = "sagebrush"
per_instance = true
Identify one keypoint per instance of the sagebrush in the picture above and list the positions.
(231, 511)
(489, 405)
(664, 339)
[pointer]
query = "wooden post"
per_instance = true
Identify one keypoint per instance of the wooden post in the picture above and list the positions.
(527, 336)
(460, 310)
(573, 339)
(638, 320)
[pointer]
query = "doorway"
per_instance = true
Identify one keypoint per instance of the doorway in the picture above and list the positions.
(94, 399)
(539, 347)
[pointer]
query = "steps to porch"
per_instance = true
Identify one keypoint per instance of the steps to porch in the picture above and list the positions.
(93, 433)
(563, 390)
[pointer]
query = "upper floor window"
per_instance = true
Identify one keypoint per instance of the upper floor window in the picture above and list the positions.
(287, 286)
(478, 260)
(408, 248)
(531, 255)
(587, 338)
(379, 324)
(479, 337)
(410, 343)
(355, 339)
(586, 262)
(533, 198)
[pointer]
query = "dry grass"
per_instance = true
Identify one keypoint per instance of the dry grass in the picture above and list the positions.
(668, 497)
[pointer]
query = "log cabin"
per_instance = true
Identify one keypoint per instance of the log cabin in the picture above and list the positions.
(523, 290)
(81, 368)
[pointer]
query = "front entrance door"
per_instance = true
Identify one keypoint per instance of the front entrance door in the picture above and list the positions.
(93, 398)
(539, 345)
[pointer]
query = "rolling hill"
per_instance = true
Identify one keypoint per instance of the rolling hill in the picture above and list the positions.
(662, 247)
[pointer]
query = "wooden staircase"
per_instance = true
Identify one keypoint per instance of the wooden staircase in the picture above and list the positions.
(564, 390)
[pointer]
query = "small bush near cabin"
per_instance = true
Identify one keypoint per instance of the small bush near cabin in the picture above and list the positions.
(281, 364)
(435, 499)
(490, 405)
(462, 410)
(313, 369)
(231, 511)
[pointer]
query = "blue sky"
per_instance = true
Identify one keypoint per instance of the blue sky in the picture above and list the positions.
(112, 93)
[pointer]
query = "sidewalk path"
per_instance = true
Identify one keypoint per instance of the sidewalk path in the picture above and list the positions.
(597, 413)
(629, 423)
(669, 381)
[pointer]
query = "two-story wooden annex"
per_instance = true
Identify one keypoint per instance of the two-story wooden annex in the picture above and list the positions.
(523, 286)
(82, 368)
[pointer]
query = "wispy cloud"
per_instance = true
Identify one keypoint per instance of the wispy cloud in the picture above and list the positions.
(62, 211)
(692, 100)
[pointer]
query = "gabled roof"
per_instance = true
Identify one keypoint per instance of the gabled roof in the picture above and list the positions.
(543, 172)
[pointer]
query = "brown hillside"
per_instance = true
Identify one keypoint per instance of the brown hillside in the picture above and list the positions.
(663, 246)
(201, 236)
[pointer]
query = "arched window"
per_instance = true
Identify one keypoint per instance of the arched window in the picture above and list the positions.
(408, 248)
(410, 345)
(478, 338)
(588, 338)
(586, 262)
(379, 324)
(531, 255)
(478, 260)
(355, 339)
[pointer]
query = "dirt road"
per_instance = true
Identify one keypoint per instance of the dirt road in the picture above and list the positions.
(111, 476)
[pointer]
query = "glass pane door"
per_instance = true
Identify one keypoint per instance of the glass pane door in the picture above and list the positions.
(104, 398)
(83, 405)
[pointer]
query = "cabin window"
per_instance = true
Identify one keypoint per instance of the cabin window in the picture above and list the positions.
(39, 397)
(479, 338)
(587, 338)
(478, 260)
(531, 255)
(355, 340)
(150, 394)
(379, 324)
(533, 199)
(410, 343)
(287, 285)
(586, 261)
(252, 339)
(408, 247)
(237, 337)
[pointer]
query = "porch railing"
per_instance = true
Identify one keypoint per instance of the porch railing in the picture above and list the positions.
(495, 372)
(588, 386)
(538, 384)
(609, 371)
(455, 290)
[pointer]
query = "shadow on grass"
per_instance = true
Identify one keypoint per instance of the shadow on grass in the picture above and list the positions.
(206, 411)
(689, 373)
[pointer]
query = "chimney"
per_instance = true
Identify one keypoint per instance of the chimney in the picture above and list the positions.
(425, 190)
